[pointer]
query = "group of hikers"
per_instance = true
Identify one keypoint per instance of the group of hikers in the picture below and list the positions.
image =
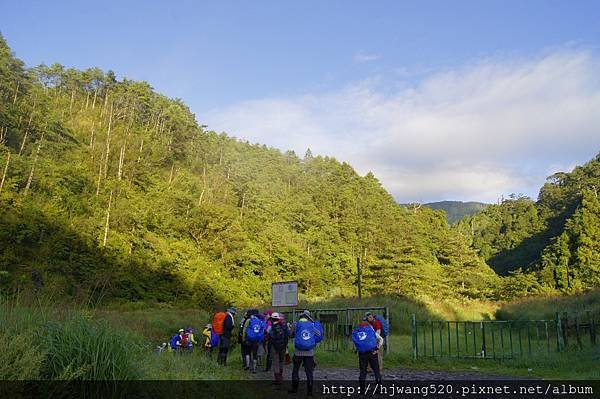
(269, 334)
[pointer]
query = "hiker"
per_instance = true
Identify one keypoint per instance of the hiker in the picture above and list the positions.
(223, 324)
(160, 348)
(212, 339)
(252, 334)
(191, 339)
(243, 347)
(307, 333)
(266, 345)
(377, 322)
(368, 344)
(278, 332)
(176, 340)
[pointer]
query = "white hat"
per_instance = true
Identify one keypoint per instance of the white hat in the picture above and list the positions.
(181, 330)
(275, 316)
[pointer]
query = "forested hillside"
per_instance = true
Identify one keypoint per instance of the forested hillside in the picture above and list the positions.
(556, 239)
(456, 210)
(111, 191)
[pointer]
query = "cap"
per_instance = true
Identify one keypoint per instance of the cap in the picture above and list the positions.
(232, 310)
(275, 316)
(306, 314)
(181, 330)
(208, 325)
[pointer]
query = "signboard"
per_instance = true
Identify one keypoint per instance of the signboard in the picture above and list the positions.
(284, 294)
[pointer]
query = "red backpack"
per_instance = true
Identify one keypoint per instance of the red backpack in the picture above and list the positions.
(185, 340)
(218, 323)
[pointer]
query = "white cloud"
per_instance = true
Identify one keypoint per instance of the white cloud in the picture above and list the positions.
(361, 57)
(477, 132)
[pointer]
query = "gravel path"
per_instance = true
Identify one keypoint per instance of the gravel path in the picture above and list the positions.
(322, 373)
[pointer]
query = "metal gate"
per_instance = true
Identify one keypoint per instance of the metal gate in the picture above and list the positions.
(501, 339)
(338, 325)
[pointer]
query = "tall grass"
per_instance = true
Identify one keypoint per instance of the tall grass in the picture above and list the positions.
(51, 343)
(78, 348)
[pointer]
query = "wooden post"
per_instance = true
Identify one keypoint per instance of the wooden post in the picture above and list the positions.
(559, 337)
(592, 327)
(414, 337)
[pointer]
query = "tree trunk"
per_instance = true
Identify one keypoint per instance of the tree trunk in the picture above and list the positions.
(4, 173)
(99, 175)
(243, 203)
(171, 175)
(92, 135)
(121, 160)
(203, 185)
(104, 107)
(16, 92)
(35, 159)
(106, 155)
(71, 104)
(107, 219)
(28, 126)
(95, 94)
(141, 149)
(87, 100)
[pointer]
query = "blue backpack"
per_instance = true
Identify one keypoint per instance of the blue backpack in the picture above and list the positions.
(364, 339)
(255, 331)
(214, 339)
(305, 336)
(174, 339)
(385, 326)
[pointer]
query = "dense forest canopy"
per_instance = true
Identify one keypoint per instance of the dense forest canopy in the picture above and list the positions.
(555, 240)
(111, 191)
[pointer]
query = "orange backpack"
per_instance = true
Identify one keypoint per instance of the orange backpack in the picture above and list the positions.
(218, 322)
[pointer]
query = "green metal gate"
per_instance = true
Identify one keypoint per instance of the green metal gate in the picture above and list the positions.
(495, 339)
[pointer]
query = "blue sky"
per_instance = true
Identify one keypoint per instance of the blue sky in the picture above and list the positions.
(441, 100)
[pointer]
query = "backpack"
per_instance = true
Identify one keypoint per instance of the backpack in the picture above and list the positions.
(214, 339)
(255, 330)
(305, 336)
(278, 336)
(364, 339)
(185, 340)
(174, 340)
(385, 326)
(218, 323)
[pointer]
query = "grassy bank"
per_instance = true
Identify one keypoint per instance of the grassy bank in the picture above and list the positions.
(83, 344)
(546, 307)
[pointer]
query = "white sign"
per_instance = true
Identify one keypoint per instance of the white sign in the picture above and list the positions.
(284, 294)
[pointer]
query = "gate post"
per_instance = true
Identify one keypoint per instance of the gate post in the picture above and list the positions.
(387, 338)
(558, 332)
(414, 336)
